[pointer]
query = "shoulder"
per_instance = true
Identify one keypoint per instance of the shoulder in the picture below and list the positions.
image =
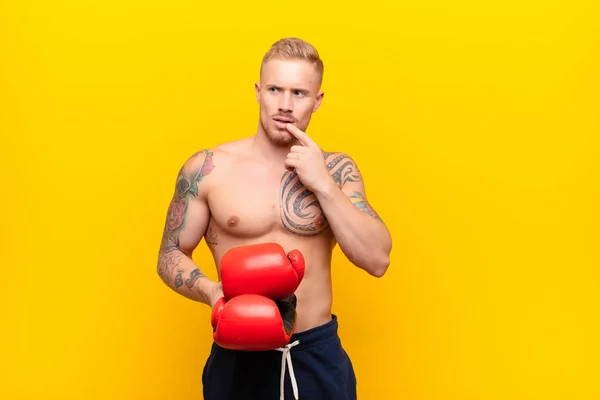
(206, 160)
(199, 164)
(201, 167)
(338, 158)
(341, 167)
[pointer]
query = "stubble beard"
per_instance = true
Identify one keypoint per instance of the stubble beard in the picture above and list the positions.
(279, 137)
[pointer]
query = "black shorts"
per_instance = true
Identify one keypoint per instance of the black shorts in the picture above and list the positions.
(320, 367)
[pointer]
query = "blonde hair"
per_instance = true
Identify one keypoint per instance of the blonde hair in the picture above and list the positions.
(294, 48)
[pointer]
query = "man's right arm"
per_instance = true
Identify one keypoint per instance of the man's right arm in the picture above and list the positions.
(187, 219)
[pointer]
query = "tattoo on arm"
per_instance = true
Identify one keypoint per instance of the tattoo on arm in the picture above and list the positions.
(301, 213)
(169, 256)
(344, 170)
(362, 204)
(178, 281)
(194, 275)
(186, 189)
(341, 168)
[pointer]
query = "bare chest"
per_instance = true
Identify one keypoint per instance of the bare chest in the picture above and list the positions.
(250, 204)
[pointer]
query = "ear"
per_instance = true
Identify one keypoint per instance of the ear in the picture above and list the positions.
(257, 89)
(318, 100)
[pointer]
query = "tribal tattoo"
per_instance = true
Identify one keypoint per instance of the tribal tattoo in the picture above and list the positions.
(344, 170)
(341, 168)
(301, 213)
(186, 189)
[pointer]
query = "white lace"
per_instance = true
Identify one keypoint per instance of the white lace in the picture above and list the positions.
(286, 356)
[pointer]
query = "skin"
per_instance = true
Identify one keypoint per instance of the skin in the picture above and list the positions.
(277, 185)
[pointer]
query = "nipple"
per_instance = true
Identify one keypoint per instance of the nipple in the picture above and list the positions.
(233, 221)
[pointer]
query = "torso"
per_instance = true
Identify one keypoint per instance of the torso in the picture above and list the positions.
(253, 203)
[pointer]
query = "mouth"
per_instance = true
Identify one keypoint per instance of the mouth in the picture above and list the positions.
(283, 120)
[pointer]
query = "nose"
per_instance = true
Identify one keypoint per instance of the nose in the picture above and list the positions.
(286, 103)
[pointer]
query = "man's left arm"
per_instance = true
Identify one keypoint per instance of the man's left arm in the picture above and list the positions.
(340, 190)
(359, 230)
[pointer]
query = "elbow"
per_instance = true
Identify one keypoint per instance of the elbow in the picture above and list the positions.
(380, 261)
(379, 267)
(375, 264)
(161, 271)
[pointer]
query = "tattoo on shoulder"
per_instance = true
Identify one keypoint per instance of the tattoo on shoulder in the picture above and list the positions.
(186, 188)
(187, 181)
(342, 168)
(359, 201)
(301, 213)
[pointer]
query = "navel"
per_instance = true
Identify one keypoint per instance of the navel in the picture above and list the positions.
(233, 221)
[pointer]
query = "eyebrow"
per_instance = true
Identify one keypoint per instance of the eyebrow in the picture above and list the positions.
(294, 89)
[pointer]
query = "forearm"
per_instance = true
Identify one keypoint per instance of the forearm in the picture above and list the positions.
(180, 273)
(359, 231)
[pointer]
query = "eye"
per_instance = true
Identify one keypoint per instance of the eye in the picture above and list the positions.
(273, 89)
(298, 93)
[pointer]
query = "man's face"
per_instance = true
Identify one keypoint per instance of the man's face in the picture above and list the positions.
(288, 92)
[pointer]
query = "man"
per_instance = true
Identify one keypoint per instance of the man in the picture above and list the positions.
(276, 186)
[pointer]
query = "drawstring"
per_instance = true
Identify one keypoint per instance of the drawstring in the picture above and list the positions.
(287, 357)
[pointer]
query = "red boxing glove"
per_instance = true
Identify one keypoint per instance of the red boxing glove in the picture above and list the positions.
(253, 322)
(262, 269)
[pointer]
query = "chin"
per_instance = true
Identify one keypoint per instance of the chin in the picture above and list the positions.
(279, 137)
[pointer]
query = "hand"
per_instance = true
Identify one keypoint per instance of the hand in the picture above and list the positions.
(262, 268)
(251, 322)
(308, 162)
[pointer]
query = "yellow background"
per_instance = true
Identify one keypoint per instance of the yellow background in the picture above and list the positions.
(476, 125)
